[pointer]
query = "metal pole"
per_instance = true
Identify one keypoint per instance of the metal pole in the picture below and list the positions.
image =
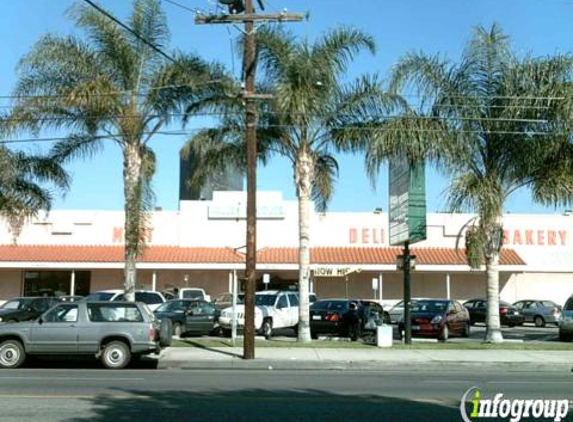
(250, 67)
(154, 281)
(380, 286)
(407, 295)
(73, 283)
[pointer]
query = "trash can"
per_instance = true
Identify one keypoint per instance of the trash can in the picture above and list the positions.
(384, 336)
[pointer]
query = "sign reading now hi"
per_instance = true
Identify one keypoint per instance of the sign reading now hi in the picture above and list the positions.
(332, 271)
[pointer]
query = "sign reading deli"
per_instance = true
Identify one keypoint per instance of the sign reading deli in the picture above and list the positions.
(333, 271)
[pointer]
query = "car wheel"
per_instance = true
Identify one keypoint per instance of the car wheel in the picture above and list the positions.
(115, 355)
(165, 332)
(445, 333)
(539, 321)
(267, 329)
(177, 330)
(313, 336)
(12, 354)
(466, 332)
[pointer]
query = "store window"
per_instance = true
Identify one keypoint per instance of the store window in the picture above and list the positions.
(55, 283)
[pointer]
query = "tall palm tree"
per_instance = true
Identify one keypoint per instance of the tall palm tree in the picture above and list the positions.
(111, 86)
(493, 124)
(22, 190)
(308, 99)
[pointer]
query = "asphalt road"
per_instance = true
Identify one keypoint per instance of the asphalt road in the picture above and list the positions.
(77, 395)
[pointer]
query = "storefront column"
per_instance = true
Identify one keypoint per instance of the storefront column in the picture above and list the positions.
(448, 290)
(73, 283)
(380, 286)
(230, 281)
(154, 281)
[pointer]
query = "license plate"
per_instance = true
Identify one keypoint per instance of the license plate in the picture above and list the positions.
(415, 327)
(515, 313)
(316, 317)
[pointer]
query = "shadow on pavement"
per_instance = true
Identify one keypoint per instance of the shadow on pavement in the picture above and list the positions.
(80, 362)
(210, 349)
(262, 405)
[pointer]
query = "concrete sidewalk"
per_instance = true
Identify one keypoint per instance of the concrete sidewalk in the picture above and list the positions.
(364, 359)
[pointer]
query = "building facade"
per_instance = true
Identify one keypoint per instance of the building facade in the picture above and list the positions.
(202, 245)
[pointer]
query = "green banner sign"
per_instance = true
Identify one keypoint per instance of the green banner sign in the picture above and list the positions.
(407, 202)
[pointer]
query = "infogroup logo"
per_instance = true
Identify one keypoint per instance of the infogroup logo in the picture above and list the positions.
(514, 409)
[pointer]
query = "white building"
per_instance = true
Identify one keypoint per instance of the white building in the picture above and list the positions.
(202, 244)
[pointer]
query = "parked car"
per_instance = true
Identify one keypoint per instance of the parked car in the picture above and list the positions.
(114, 332)
(273, 309)
(334, 317)
(439, 318)
(186, 293)
(189, 316)
(539, 312)
(566, 322)
(26, 308)
(508, 314)
(71, 298)
(225, 300)
(396, 312)
(150, 298)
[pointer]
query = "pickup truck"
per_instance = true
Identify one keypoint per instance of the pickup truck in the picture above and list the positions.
(114, 332)
(273, 309)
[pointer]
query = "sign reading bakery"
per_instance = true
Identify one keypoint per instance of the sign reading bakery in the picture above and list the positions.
(535, 237)
(366, 236)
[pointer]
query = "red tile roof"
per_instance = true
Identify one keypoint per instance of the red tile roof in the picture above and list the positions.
(101, 254)
(358, 255)
(172, 254)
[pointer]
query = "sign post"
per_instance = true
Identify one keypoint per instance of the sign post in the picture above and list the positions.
(407, 221)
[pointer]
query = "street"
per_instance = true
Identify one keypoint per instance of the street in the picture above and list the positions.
(162, 395)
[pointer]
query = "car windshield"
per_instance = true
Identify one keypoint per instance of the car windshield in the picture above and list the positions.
(16, 304)
(192, 294)
(430, 306)
(99, 297)
(265, 300)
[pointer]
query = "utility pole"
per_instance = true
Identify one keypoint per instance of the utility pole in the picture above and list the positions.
(250, 64)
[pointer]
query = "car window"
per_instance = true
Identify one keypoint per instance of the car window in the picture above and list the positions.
(205, 308)
(431, 306)
(548, 304)
(16, 304)
(312, 298)
(532, 305)
(469, 305)
(40, 305)
(330, 305)
(62, 313)
(265, 300)
(173, 306)
(293, 299)
(192, 294)
(569, 305)
(282, 302)
(114, 312)
(480, 305)
(148, 298)
(518, 305)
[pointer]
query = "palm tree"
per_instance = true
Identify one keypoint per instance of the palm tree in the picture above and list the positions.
(21, 192)
(298, 123)
(492, 124)
(112, 86)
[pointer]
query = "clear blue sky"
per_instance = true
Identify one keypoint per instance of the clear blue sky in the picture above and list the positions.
(539, 26)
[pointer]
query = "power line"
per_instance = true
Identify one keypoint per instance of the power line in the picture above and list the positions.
(182, 6)
(131, 31)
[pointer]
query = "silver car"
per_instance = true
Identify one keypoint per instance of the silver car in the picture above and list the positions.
(566, 323)
(540, 312)
(111, 331)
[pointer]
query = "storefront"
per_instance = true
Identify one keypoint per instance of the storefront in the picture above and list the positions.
(202, 245)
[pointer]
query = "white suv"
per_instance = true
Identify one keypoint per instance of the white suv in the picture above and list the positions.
(273, 309)
(150, 298)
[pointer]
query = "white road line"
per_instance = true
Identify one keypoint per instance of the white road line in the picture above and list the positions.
(68, 379)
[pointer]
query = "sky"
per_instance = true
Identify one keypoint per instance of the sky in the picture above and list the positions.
(540, 27)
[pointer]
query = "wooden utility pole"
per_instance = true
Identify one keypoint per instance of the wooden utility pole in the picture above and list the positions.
(250, 65)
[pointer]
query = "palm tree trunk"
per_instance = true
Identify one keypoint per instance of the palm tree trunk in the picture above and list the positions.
(132, 162)
(493, 330)
(304, 178)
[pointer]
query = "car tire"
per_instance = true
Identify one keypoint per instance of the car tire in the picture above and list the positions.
(467, 329)
(267, 329)
(116, 355)
(165, 332)
(539, 321)
(313, 336)
(12, 354)
(445, 334)
(177, 330)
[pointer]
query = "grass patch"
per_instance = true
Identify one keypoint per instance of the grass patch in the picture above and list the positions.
(331, 344)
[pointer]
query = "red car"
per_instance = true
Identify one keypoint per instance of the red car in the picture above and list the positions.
(439, 318)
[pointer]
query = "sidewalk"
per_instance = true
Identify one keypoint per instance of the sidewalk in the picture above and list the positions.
(364, 359)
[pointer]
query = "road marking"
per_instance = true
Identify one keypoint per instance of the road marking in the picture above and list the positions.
(69, 379)
(530, 382)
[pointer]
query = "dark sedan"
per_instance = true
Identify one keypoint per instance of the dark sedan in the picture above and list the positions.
(26, 308)
(508, 314)
(439, 318)
(189, 316)
(335, 317)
